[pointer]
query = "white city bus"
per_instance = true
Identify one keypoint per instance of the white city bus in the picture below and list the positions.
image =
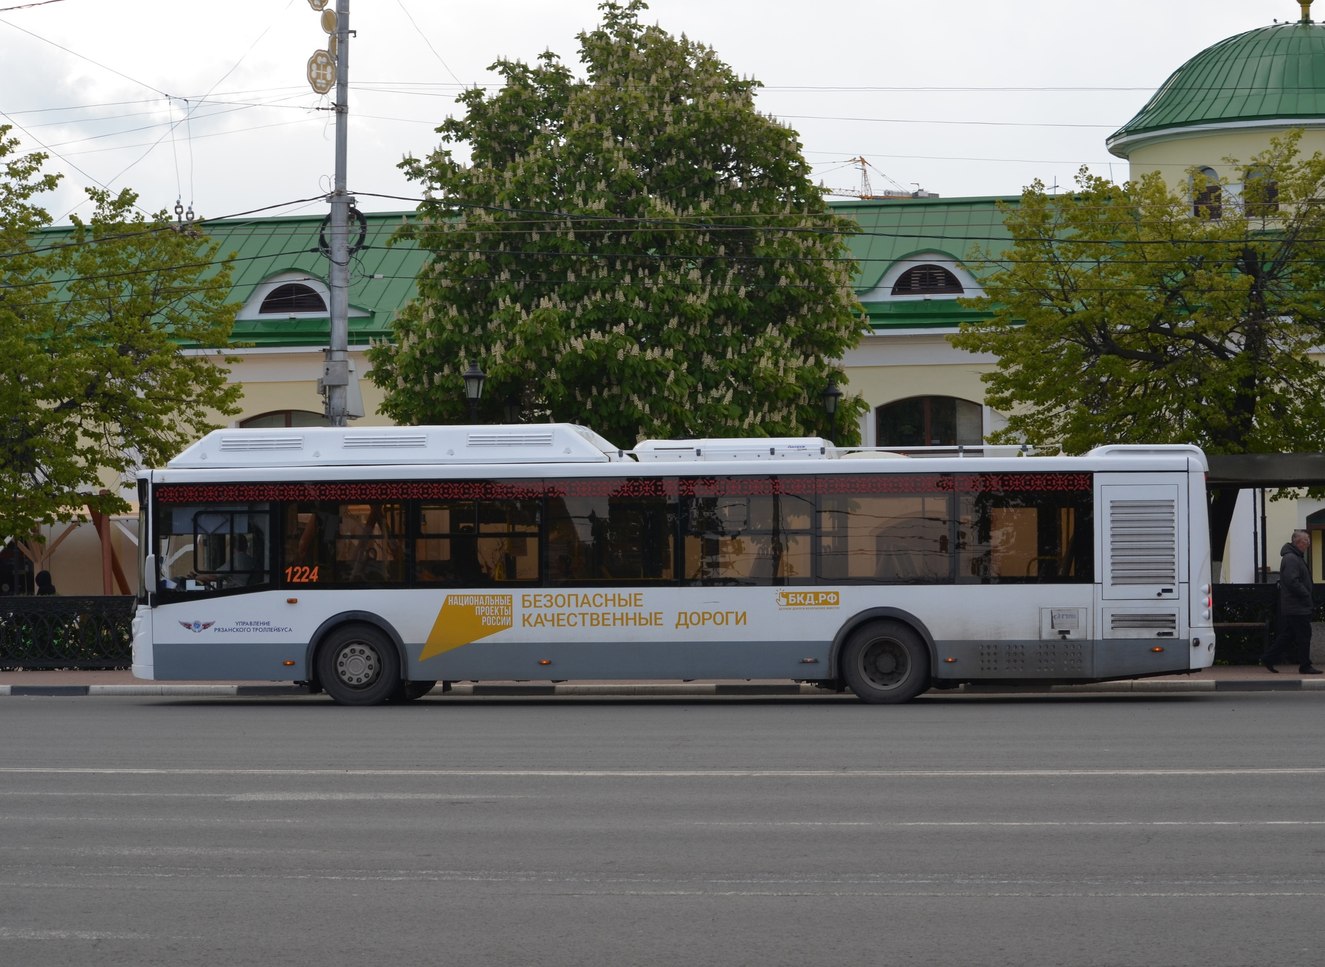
(374, 563)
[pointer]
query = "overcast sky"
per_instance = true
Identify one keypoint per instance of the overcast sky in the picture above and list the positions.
(207, 103)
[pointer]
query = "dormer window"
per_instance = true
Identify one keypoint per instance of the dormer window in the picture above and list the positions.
(292, 297)
(927, 279)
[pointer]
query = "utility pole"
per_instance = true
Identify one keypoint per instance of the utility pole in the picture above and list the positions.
(337, 375)
(322, 67)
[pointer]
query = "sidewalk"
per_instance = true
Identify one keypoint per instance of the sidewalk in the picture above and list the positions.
(1238, 678)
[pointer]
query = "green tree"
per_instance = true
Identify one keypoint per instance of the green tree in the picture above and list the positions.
(1119, 314)
(639, 250)
(24, 362)
(93, 382)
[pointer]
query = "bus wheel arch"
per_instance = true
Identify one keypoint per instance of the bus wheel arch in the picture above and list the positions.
(885, 656)
(357, 661)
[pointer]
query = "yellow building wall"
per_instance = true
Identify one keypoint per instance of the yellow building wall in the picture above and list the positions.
(275, 380)
(1174, 157)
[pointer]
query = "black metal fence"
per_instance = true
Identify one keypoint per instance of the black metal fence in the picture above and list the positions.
(66, 632)
(1245, 619)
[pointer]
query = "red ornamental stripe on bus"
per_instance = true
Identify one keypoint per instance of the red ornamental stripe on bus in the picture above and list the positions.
(636, 487)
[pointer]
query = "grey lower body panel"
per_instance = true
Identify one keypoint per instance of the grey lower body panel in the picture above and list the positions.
(1070, 660)
(616, 660)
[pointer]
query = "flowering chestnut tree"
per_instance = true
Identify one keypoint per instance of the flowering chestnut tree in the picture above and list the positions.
(638, 250)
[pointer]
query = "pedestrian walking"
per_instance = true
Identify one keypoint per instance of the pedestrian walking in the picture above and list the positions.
(1292, 638)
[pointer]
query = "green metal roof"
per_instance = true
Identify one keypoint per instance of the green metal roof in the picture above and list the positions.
(1270, 73)
(381, 277)
(893, 229)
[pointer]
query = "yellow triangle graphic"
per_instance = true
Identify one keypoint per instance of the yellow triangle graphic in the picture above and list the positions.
(465, 618)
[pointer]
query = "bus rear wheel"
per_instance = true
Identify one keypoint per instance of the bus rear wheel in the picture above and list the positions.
(885, 663)
(358, 665)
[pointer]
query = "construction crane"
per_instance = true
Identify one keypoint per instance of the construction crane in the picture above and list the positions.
(866, 190)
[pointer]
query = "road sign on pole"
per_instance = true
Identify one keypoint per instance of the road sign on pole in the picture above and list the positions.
(321, 72)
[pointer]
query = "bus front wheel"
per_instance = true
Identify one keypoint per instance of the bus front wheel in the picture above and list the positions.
(885, 662)
(358, 665)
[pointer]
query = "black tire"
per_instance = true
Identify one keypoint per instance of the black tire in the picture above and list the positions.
(885, 663)
(358, 665)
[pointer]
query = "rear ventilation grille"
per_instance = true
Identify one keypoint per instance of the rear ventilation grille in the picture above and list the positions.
(1144, 541)
(1157, 622)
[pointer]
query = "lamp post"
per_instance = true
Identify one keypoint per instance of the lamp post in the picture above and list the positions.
(474, 378)
(831, 397)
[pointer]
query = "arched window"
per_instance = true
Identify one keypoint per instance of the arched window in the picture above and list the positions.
(1207, 195)
(285, 418)
(292, 297)
(927, 421)
(927, 279)
(1260, 192)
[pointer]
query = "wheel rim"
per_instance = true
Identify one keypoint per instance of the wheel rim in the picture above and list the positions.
(358, 665)
(885, 663)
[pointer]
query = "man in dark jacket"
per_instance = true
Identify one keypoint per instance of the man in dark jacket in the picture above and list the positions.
(1295, 606)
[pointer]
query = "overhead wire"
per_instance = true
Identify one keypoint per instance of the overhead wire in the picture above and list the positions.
(25, 6)
(171, 126)
(415, 25)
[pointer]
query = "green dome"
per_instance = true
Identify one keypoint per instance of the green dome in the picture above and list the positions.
(1274, 73)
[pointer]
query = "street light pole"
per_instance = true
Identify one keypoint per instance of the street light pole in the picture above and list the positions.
(831, 397)
(473, 378)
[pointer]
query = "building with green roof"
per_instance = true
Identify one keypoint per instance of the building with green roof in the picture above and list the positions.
(910, 254)
(1228, 101)
(283, 322)
(915, 256)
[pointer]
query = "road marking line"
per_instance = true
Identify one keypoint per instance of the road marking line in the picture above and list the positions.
(675, 773)
(19, 933)
(893, 824)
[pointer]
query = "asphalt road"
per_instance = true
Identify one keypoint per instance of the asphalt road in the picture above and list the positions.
(1081, 830)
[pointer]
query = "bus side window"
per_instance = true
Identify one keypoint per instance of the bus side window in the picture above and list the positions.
(212, 547)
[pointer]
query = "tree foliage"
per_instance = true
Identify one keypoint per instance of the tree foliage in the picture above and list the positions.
(92, 380)
(1120, 314)
(638, 250)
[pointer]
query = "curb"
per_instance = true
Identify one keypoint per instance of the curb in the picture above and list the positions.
(150, 690)
(719, 690)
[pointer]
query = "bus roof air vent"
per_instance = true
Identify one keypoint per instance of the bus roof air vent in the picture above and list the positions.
(770, 448)
(262, 442)
(372, 440)
(514, 437)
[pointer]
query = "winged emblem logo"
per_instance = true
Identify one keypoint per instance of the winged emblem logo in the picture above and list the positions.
(197, 626)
